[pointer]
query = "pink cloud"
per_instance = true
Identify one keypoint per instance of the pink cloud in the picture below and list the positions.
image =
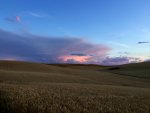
(51, 49)
(18, 19)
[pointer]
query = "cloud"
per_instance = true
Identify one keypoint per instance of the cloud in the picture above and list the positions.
(147, 60)
(18, 19)
(120, 60)
(15, 19)
(79, 59)
(123, 53)
(119, 44)
(37, 15)
(49, 49)
(57, 50)
(143, 42)
(80, 54)
(12, 20)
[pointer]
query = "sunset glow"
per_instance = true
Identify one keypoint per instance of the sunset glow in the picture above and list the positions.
(80, 59)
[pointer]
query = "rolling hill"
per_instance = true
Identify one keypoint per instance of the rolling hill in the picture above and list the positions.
(27, 87)
(141, 70)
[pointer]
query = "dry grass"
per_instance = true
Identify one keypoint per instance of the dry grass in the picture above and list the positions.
(36, 88)
(73, 98)
(141, 70)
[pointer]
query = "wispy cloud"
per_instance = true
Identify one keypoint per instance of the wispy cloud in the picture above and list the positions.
(143, 42)
(14, 19)
(119, 44)
(37, 15)
(123, 53)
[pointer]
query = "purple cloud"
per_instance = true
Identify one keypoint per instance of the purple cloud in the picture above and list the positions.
(49, 49)
(119, 60)
(56, 50)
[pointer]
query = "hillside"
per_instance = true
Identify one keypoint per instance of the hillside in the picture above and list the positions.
(66, 88)
(141, 70)
(65, 73)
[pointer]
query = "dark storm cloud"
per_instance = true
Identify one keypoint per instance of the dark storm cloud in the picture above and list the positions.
(46, 49)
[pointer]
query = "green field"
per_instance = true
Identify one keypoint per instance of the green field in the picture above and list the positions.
(67, 88)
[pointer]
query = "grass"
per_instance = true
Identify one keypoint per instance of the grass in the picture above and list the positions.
(141, 70)
(40, 88)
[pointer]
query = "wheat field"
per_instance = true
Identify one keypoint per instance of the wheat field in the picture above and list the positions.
(41, 88)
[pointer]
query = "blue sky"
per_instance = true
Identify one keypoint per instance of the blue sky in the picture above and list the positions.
(120, 24)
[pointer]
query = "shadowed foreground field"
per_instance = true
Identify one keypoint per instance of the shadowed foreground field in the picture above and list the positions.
(40, 88)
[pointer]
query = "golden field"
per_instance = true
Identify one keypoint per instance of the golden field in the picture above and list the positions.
(74, 88)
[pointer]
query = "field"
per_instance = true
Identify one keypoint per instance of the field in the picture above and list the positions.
(42, 88)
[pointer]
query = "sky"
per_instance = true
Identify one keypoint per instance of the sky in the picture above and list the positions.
(104, 32)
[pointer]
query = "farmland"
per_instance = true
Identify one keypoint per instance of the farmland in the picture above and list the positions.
(73, 88)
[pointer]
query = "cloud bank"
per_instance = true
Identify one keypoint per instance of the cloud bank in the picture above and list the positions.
(56, 50)
(120, 60)
(49, 49)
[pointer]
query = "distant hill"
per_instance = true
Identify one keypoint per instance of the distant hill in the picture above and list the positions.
(75, 73)
(141, 70)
